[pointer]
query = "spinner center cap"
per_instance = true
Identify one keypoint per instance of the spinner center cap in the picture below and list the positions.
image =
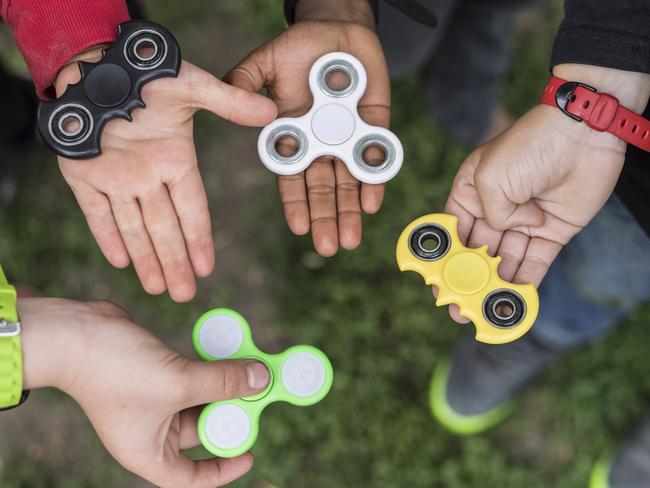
(108, 85)
(466, 273)
(333, 124)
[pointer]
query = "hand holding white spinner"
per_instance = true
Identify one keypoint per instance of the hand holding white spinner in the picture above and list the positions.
(333, 127)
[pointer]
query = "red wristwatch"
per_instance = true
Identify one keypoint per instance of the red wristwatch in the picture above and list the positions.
(600, 111)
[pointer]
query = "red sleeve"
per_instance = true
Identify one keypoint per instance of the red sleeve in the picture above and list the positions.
(51, 32)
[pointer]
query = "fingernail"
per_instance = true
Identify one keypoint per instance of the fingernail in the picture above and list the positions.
(258, 375)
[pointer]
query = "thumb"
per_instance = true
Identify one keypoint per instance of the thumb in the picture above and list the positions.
(232, 103)
(249, 74)
(222, 380)
(501, 211)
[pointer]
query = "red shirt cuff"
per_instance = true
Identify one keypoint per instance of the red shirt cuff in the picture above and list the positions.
(49, 33)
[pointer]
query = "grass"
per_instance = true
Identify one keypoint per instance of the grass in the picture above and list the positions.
(378, 326)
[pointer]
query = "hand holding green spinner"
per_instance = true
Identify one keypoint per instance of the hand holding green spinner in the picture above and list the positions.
(301, 375)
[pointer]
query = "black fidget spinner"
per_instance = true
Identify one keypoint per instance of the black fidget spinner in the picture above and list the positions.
(72, 125)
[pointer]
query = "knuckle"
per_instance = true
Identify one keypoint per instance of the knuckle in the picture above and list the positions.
(510, 256)
(174, 257)
(183, 381)
(484, 179)
(243, 71)
(198, 213)
(182, 393)
(460, 183)
(324, 219)
(228, 380)
(348, 185)
(320, 190)
(352, 213)
(161, 228)
(539, 261)
(131, 229)
(143, 255)
(497, 222)
(298, 177)
(120, 198)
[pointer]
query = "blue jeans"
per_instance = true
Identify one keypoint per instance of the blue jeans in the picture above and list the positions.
(463, 58)
(601, 276)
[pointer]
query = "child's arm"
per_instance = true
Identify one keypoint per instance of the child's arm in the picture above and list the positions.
(143, 196)
(141, 397)
(49, 34)
(527, 192)
(325, 198)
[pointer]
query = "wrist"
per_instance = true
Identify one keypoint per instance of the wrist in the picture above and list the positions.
(569, 137)
(356, 11)
(69, 74)
(52, 347)
(632, 89)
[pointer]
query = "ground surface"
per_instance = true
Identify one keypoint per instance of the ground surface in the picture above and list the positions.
(378, 326)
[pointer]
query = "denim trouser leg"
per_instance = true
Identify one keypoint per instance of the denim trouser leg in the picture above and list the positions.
(600, 276)
(466, 55)
(409, 45)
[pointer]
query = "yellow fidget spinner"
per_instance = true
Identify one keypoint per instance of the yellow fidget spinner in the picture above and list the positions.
(501, 311)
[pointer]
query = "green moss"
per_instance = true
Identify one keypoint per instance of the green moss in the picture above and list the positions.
(379, 326)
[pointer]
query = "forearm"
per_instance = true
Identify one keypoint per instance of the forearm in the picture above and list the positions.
(358, 11)
(49, 34)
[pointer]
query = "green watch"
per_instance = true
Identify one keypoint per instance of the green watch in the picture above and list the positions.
(11, 355)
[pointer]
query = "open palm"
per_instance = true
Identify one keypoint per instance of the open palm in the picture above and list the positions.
(325, 198)
(143, 196)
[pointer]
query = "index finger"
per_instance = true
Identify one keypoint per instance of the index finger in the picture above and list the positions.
(374, 106)
(465, 218)
(183, 471)
(538, 259)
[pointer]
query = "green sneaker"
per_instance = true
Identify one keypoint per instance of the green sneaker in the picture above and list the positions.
(629, 467)
(600, 473)
(474, 391)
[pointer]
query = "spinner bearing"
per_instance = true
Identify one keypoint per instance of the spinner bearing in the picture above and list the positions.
(333, 127)
(301, 375)
(501, 311)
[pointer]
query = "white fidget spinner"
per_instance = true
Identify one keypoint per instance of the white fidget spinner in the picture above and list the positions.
(332, 127)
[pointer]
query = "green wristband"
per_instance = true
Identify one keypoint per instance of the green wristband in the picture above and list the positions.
(11, 357)
(301, 375)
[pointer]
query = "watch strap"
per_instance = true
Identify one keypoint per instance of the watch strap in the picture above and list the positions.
(11, 357)
(600, 111)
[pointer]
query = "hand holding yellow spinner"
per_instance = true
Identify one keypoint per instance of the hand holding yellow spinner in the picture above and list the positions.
(501, 311)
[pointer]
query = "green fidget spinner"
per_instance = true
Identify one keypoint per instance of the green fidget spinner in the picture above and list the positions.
(301, 375)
